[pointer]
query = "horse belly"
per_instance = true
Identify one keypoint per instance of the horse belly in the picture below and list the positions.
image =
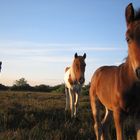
(105, 99)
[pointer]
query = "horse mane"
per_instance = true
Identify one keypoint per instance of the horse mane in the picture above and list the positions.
(67, 68)
(137, 14)
(126, 60)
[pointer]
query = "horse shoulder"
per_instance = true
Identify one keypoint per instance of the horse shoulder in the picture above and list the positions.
(104, 82)
(67, 78)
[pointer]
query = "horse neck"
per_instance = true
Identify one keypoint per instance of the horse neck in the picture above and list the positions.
(72, 73)
(127, 73)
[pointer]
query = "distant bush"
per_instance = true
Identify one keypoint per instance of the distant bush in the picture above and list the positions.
(42, 88)
(25, 87)
(3, 87)
(59, 88)
(85, 89)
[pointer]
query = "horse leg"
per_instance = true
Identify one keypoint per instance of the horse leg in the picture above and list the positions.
(118, 119)
(95, 112)
(75, 104)
(137, 126)
(105, 124)
(71, 98)
(67, 99)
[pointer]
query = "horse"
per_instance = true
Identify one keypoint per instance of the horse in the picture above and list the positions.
(117, 88)
(0, 65)
(74, 79)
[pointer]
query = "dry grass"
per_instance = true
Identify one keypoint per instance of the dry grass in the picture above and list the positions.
(26, 115)
(41, 116)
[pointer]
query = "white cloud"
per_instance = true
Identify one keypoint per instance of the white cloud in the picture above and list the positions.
(17, 50)
(38, 61)
(32, 46)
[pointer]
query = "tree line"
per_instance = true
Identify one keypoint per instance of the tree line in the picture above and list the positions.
(22, 85)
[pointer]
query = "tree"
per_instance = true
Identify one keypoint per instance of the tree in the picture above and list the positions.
(21, 82)
(21, 85)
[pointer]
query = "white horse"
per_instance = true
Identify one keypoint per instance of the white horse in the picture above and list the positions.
(74, 80)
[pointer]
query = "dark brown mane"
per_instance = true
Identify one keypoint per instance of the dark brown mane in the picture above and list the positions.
(137, 14)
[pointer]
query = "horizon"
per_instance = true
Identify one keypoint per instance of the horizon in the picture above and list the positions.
(39, 39)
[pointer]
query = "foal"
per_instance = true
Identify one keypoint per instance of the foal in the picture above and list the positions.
(74, 80)
(118, 87)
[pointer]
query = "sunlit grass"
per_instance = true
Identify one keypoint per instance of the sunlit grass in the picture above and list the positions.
(41, 116)
(26, 115)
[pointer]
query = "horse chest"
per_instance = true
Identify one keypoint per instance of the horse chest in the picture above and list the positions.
(131, 99)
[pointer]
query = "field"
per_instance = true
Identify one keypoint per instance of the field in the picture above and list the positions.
(41, 116)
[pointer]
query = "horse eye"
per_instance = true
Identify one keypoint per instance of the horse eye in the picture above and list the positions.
(128, 39)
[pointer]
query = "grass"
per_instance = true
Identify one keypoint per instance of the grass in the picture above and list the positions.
(41, 116)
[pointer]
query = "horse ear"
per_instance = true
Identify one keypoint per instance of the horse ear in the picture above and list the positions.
(76, 55)
(129, 13)
(84, 56)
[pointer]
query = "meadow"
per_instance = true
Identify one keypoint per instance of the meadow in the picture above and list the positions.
(41, 116)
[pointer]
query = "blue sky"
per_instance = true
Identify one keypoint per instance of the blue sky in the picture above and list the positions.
(38, 38)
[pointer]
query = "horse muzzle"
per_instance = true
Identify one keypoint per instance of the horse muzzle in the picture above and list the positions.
(138, 73)
(82, 80)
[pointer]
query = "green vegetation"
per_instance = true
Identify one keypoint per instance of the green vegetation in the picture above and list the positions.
(22, 85)
(41, 116)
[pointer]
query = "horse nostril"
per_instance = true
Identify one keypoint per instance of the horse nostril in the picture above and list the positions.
(138, 73)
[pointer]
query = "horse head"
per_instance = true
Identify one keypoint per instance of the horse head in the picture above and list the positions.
(133, 38)
(79, 68)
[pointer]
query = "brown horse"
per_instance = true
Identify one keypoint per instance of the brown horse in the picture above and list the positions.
(0, 65)
(118, 87)
(74, 79)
